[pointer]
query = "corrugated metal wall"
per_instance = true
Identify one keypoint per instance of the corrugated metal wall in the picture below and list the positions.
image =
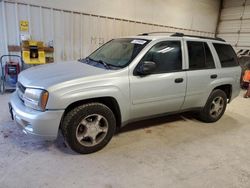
(234, 25)
(74, 34)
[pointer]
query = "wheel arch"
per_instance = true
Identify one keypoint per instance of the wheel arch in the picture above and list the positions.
(227, 88)
(110, 102)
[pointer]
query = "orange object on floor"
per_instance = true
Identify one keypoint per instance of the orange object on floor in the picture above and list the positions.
(247, 94)
(246, 77)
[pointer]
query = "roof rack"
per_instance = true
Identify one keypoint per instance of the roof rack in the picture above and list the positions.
(196, 36)
(182, 35)
(156, 32)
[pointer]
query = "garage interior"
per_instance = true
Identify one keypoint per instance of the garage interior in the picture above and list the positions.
(172, 151)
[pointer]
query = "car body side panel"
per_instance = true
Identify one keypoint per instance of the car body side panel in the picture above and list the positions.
(66, 93)
(200, 84)
(232, 73)
(196, 97)
(156, 93)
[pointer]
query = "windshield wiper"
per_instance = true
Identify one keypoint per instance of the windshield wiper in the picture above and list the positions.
(99, 61)
(105, 64)
(87, 59)
(81, 60)
(118, 66)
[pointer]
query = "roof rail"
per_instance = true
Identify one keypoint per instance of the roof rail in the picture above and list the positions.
(156, 32)
(196, 36)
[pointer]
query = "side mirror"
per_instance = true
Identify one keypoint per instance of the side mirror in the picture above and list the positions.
(147, 67)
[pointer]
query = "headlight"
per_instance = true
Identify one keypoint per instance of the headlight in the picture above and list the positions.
(36, 98)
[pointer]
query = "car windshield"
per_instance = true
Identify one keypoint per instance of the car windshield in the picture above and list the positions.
(118, 53)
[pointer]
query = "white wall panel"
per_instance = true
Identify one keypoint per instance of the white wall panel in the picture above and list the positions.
(35, 23)
(68, 28)
(233, 3)
(86, 35)
(246, 14)
(245, 27)
(231, 13)
(244, 40)
(182, 13)
(2, 33)
(10, 23)
(59, 35)
(110, 28)
(77, 38)
(200, 21)
(229, 26)
(230, 38)
(77, 34)
(48, 25)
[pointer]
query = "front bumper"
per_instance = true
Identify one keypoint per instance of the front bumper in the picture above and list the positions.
(42, 124)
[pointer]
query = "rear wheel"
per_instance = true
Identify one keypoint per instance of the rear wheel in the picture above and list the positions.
(215, 106)
(88, 128)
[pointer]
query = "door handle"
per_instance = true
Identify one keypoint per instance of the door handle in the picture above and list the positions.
(213, 76)
(178, 80)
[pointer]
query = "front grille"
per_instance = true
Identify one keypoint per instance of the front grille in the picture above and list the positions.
(20, 91)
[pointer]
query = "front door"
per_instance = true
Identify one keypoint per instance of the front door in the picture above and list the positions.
(164, 89)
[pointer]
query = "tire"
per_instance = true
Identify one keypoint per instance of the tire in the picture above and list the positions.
(88, 128)
(215, 107)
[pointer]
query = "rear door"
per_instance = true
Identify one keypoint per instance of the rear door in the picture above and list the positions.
(201, 72)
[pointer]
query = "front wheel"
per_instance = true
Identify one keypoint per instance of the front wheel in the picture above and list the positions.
(89, 128)
(215, 106)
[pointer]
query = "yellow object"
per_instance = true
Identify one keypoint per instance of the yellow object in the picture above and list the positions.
(33, 52)
(24, 25)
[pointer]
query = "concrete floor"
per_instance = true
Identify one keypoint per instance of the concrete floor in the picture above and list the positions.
(176, 151)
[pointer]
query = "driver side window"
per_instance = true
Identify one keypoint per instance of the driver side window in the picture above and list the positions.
(167, 56)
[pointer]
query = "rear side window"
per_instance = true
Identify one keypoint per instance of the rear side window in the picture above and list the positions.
(200, 56)
(167, 56)
(226, 55)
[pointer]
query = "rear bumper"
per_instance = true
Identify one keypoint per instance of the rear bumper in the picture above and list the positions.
(42, 124)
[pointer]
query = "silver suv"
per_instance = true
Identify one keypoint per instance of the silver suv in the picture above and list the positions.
(125, 80)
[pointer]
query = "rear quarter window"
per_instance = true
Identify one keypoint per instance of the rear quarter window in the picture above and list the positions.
(226, 55)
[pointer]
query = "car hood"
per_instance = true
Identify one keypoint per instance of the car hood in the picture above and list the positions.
(44, 76)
